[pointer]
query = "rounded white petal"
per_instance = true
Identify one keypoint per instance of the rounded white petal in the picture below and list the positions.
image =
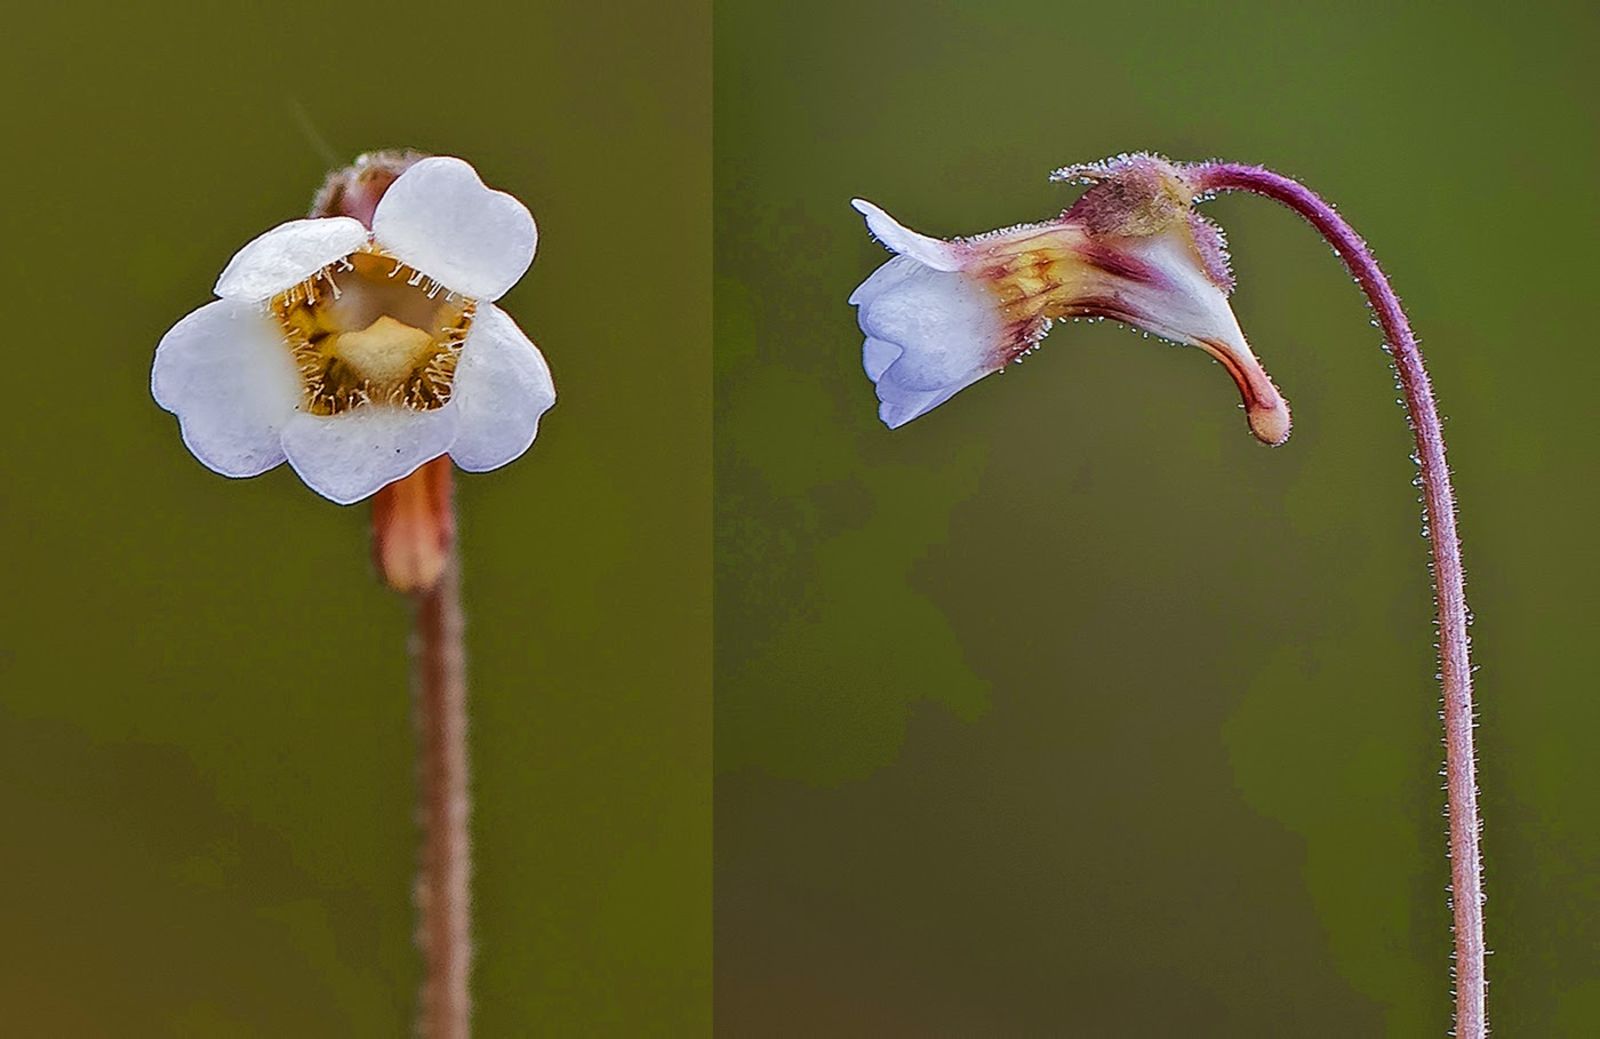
(900, 403)
(502, 386)
(938, 254)
(877, 355)
(929, 334)
(881, 280)
(225, 371)
(288, 254)
(947, 324)
(347, 457)
(440, 218)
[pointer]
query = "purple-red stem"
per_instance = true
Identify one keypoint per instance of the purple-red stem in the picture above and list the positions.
(1455, 666)
(443, 894)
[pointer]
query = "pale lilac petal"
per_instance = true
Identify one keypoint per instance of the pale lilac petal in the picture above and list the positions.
(287, 255)
(933, 252)
(440, 218)
(225, 371)
(877, 355)
(502, 387)
(929, 334)
(899, 403)
(883, 279)
(348, 457)
(947, 324)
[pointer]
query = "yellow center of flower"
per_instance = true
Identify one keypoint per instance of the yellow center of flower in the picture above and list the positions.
(1037, 278)
(370, 330)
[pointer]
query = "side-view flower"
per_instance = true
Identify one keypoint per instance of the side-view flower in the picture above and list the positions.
(943, 314)
(359, 355)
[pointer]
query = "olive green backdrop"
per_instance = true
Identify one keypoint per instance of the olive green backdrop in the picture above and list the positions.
(205, 742)
(1068, 709)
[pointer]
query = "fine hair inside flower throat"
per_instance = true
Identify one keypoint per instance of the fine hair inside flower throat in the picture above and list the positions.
(371, 330)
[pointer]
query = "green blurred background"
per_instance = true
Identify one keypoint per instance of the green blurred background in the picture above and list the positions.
(1069, 709)
(205, 741)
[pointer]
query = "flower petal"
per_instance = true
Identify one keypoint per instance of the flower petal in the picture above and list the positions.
(899, 402)
(288, 254)
(877, 356)
(502, 386)
(940, 255)
(225, 372)
(347, 457)
(929, 335)
(440, 218)
(947, 324)
(882, 280)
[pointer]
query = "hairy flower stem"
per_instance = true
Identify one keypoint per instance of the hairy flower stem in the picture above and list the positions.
(414, 550)
(443, 893)
(413, 537)
(1455, 666)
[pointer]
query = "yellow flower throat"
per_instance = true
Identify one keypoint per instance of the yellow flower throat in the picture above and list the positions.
(370, 330)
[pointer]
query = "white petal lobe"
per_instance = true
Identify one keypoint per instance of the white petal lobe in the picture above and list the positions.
(502, 387)
(288, 254)
(882, 280)
(226, 373)
(899, 403)
(440, 218)
(348, 457)
(929, 335)
(935, 253)
(947, 324)
(876, 357)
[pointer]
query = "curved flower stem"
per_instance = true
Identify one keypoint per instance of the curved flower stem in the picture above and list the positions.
(443, 893)
(1455, 667)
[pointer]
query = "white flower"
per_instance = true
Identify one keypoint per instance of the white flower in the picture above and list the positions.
(930, 333)
(359, 356)
(943, 314)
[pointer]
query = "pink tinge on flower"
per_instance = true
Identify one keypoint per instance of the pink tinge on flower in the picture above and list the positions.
(943, 314)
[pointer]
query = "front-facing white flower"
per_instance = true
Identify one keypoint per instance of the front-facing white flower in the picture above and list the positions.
(358, 355)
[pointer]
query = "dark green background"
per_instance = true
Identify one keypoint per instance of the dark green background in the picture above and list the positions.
(1068, 708)
(205, 742)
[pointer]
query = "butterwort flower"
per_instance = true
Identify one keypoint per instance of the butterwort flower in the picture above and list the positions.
(943, 314)
(359, 350)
